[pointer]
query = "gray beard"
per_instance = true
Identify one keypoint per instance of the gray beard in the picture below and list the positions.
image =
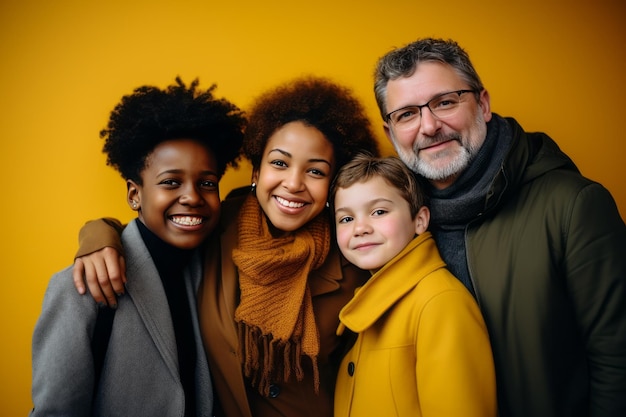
(428, 171)
(467, 152)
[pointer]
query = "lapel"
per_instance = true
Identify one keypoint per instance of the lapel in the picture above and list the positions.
(146, 291)
(399, 276)
(326, 278)
(229, 279)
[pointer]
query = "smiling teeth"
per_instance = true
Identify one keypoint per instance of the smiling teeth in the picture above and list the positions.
(187, 220)
(287, 203)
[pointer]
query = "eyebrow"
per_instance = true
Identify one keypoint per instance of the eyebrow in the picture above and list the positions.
(370, 203)
(443, 93)
(180, 171)
(285, 153)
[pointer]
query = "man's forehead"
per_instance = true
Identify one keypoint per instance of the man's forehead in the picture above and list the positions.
(428, 80)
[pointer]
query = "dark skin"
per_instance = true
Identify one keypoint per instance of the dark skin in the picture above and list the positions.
(110, 269)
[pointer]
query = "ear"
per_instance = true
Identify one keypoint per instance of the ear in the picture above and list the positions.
(133, 194)
(484, 101)
(421, 220)
(255, 176)
(387, 132)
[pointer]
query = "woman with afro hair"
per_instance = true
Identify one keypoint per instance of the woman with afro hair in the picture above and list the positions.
(269, 312)
(171, 147)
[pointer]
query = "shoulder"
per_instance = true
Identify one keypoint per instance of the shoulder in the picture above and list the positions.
(564, 195)
(439, 286)
(231, 206)
(446, 301)
(61, 286)
(64, 311)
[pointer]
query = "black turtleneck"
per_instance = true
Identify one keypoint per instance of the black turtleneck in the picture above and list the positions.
(171, 262)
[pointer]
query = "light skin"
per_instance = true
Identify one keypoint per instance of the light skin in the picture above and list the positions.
(293, 178)
(374, 222)
(437, 149)
(179, 201)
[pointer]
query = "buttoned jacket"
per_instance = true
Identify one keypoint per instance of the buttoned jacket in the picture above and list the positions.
(423, 347)
(332, 286)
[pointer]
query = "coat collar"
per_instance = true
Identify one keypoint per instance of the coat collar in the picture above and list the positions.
(147, 293)
(326, 278)
(399, 276)
(529, 156)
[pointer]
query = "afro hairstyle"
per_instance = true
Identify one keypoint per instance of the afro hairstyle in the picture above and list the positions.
(150, 116)
(317, 102)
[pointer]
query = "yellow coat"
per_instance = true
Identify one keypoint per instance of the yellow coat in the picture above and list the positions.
(423, 347)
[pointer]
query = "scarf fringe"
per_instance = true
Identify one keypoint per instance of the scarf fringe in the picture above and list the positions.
(275, 317)
(256, 347)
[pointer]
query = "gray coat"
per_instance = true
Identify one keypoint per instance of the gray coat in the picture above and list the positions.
(140, 375)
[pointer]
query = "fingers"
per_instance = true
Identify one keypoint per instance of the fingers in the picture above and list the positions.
(78, 272)
(115, 275)
(123, 271)
(107, 269)
(104, 274)
(94, 269)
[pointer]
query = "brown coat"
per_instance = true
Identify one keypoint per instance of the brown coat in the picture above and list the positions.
(332, 286)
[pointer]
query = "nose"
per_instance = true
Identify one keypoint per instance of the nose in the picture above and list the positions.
(361, 227)
(293, 181)
(429, 124)
(191, 196)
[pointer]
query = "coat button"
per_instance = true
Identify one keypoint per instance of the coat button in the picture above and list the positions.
(274, 391)
(351, 368)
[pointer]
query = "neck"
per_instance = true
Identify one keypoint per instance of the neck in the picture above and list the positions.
(444, 183)
(274, 231)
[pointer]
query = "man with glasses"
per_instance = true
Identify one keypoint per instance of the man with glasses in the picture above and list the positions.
(540, 247)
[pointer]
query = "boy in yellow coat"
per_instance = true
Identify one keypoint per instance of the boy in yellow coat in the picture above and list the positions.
(422, 346)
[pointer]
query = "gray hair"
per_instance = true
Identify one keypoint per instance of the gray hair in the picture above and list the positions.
(402, 62)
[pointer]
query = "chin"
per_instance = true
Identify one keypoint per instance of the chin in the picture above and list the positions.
(290, 226)
(187, 244)
(367, 266)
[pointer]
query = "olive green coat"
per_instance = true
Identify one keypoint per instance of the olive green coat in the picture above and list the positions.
(548, 262)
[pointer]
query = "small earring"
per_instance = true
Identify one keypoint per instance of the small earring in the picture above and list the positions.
(327, 204)
(253, 186)
(134, 204)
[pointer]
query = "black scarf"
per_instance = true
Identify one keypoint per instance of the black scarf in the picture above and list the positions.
(455, 206)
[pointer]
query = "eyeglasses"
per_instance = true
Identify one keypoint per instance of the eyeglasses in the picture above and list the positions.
(441, 106)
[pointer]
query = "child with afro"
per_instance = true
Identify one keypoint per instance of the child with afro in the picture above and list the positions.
(171, 146)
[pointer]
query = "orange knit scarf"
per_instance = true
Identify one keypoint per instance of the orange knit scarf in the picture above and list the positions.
(275, 315)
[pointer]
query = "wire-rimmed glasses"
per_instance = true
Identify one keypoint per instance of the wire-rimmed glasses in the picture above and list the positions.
(441, 106)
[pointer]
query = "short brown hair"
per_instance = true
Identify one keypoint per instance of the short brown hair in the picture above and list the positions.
(391, 169)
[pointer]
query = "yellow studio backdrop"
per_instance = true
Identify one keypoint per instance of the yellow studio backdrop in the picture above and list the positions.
(557, 67)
